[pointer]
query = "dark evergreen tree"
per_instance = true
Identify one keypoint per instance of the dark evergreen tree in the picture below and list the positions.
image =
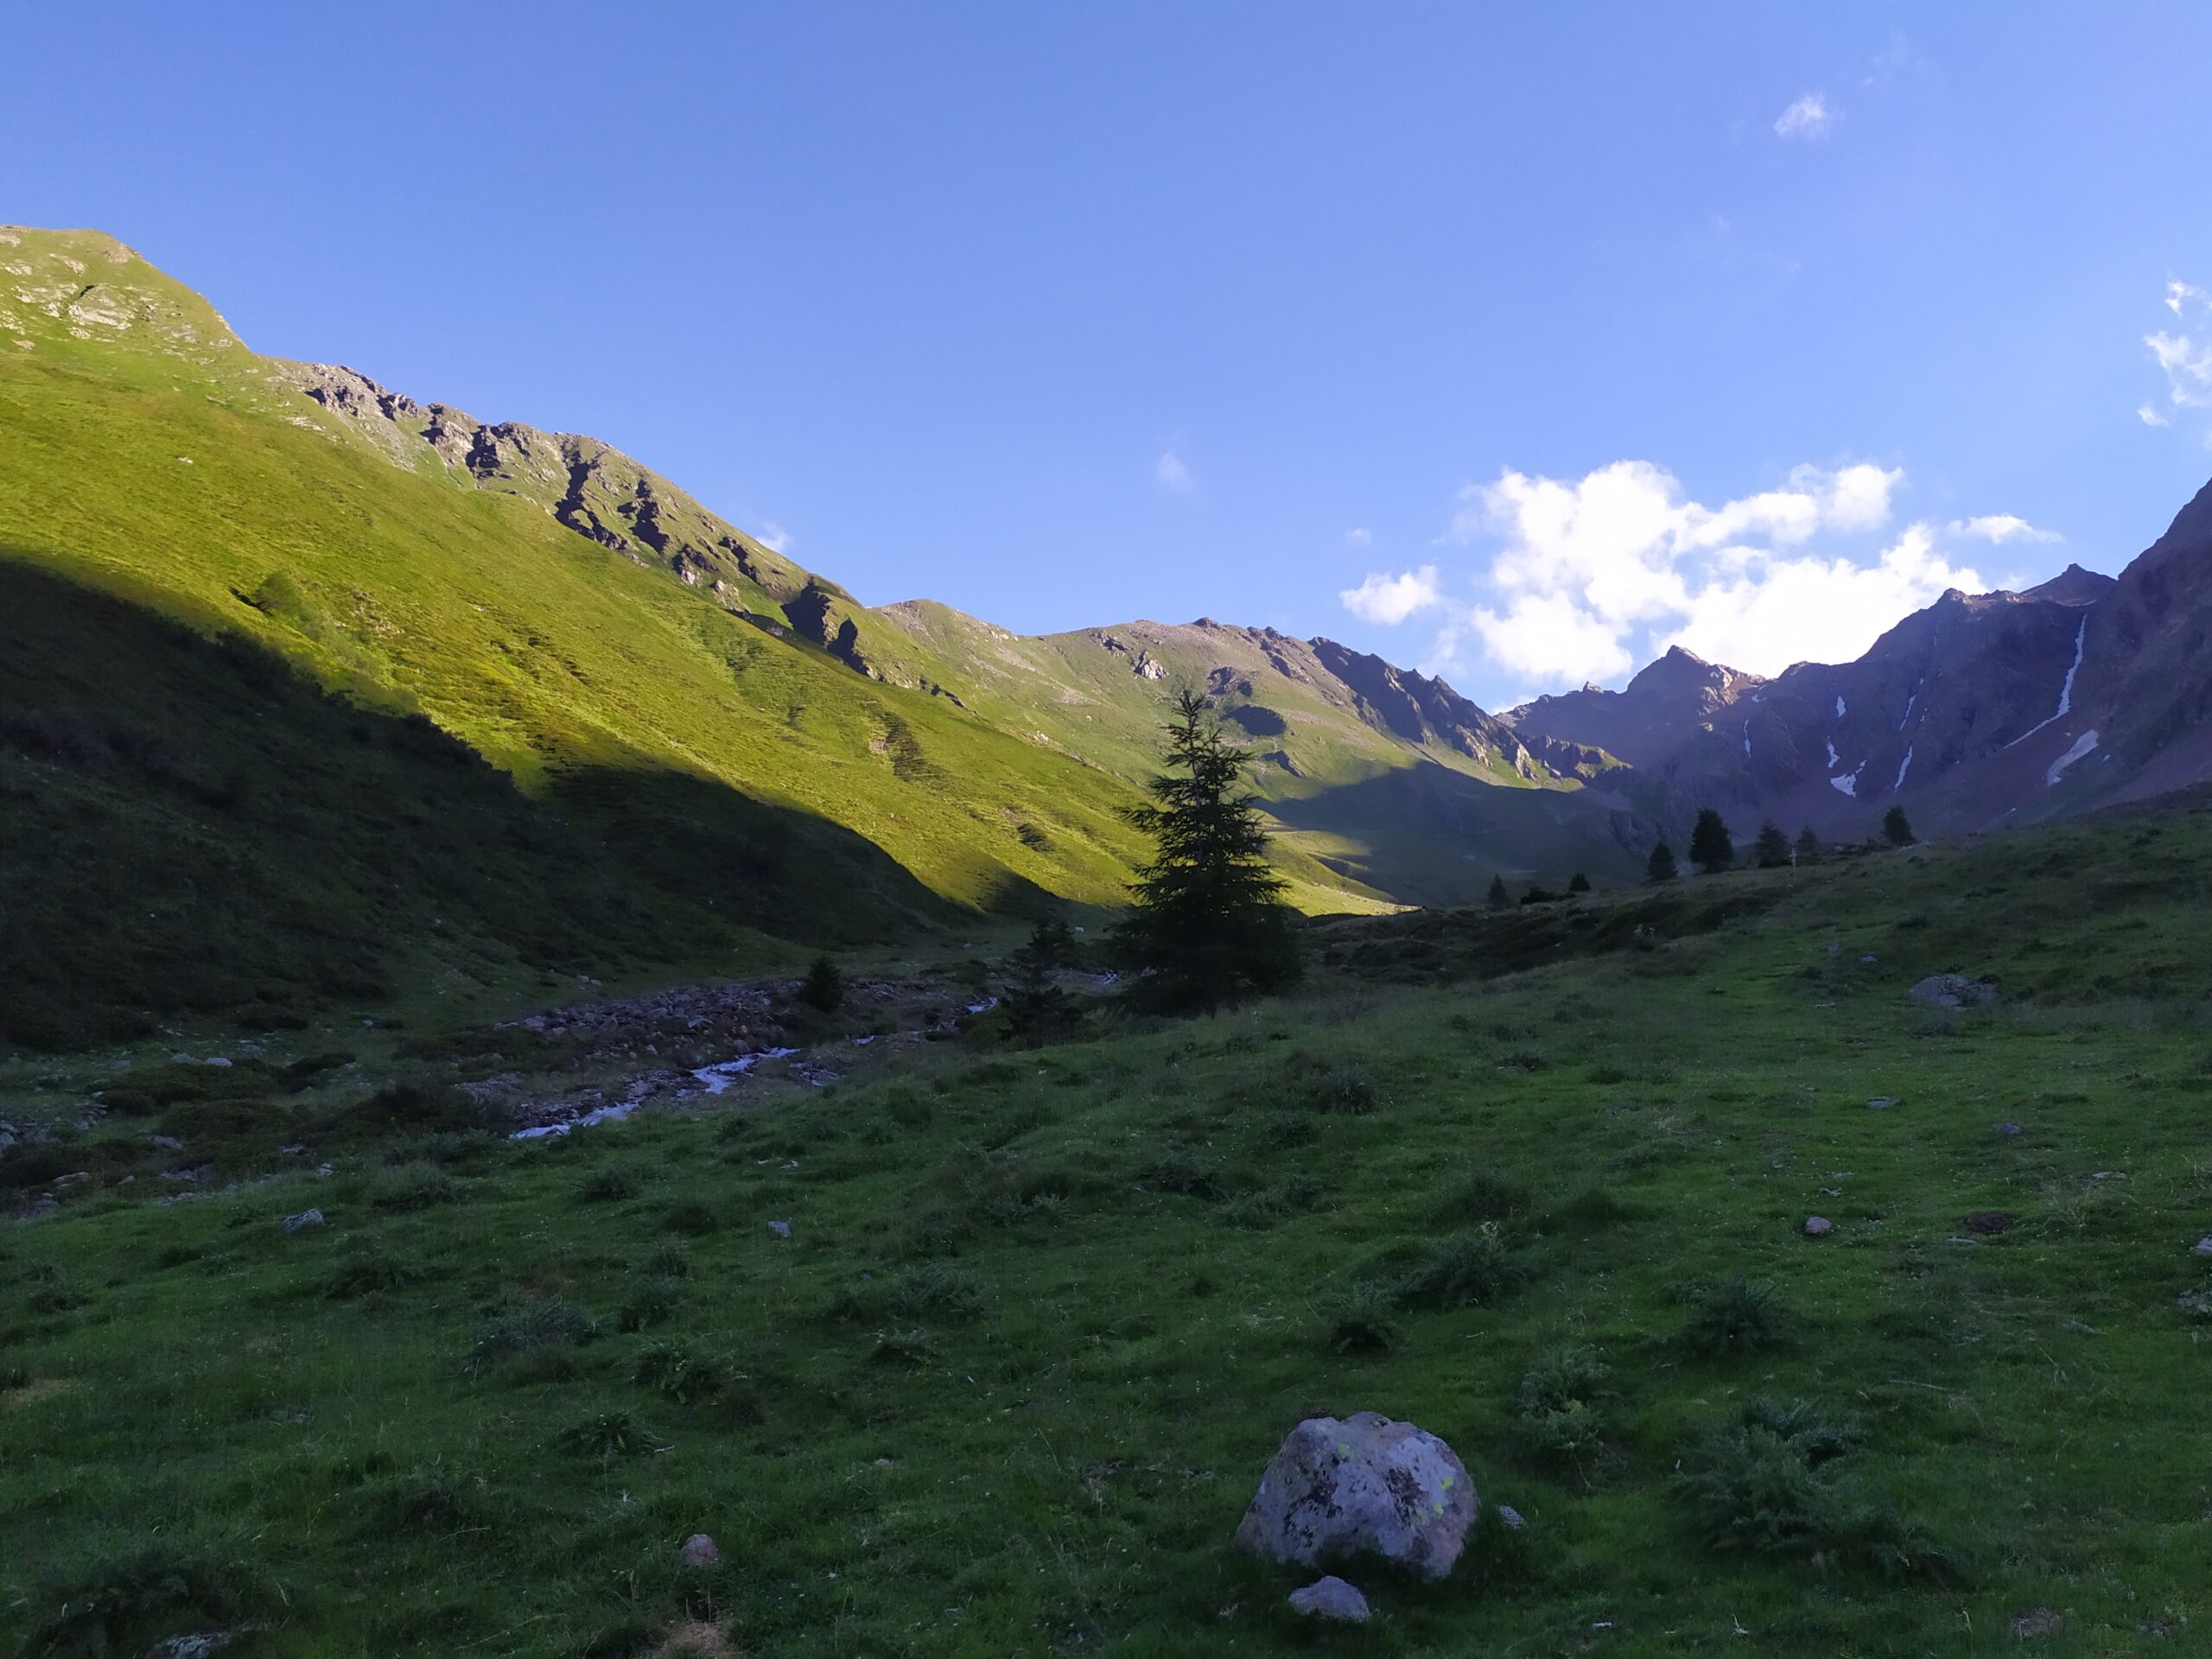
(1808, 845)
(1711, 849)
(1209, 924)
(823, 987)
(1578, 883)
(1772, 847)
(1898, 828)
(1661, 866)
(1039, 1011)
(1499, 898)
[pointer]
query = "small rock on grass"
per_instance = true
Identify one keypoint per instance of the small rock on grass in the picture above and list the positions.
(2008, 1130)
(700, 1550)
(2037, 1621)
(1818, 1226)
(780, 1229)
(304, 1220)
(1330, 1597)
(2204, 1245)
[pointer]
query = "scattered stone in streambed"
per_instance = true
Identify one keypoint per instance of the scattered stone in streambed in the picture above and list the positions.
(1363, 1484)
(1330, 1597)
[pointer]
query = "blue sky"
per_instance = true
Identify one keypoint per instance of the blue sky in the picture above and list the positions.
(1549, 335)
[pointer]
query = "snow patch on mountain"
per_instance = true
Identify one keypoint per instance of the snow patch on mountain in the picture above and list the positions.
(2083, 745)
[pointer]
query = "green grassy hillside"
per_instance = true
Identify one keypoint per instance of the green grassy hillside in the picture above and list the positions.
(1043, 1317)
(679, 755)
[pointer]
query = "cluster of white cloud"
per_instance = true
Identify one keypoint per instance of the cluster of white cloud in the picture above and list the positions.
(1808, 118)
(2185, 358)
(1171, 472)
(1389, 600)
(1587, 573)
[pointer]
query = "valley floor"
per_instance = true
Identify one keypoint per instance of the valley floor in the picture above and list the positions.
(1005, 1377)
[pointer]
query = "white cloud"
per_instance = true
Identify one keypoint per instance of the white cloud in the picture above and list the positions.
(1173, 473)
(1391, 599)
(1551, 637)
(2184, 357)
(1359, 536)
(773, 537)
(2002, 527)
(1588, 573)
(1821, 610)
(1809, 117)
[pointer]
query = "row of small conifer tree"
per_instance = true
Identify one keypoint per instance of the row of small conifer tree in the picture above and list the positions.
(1712, 850)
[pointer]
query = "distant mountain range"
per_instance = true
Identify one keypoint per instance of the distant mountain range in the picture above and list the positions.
(576, 618)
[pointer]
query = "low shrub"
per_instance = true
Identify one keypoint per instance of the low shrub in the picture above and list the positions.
(533, 1326)
(415, 1186)
(1562, 1407)
(609, 1184)
(650, 1302)
(608, 1435)
(126, 1603)
(948, 1293)
(690, 1217)
(1342, 1088)
(1763, 1485)
(1360, 1324)
(1468, 1269)
(1732, 1316)
(365, 1269)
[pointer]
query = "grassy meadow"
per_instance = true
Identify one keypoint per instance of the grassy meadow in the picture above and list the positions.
(1536, 1181)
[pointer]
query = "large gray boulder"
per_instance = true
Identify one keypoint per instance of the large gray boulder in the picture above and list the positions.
(1951, 991)
(1365, 1484)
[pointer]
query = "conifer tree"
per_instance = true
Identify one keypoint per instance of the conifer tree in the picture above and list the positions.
(1578, 883)
(1209, 924)
(1661, 866)
(1499, 898)
(1711, 849)
(1772, 847)
(1037, 1010)
(823, 987)
(1808, 845)
(1898, 828)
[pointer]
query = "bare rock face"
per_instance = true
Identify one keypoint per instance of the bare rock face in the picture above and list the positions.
(1364, 1485)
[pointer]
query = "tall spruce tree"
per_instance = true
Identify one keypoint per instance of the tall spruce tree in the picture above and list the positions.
(1209, 925)
(1711, 849)
(1898, 828)
(1808, 845)
(1661, 865)
(1772, 848)
(1499, 898)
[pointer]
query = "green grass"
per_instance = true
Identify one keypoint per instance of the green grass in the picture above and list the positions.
(1043, 1317)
